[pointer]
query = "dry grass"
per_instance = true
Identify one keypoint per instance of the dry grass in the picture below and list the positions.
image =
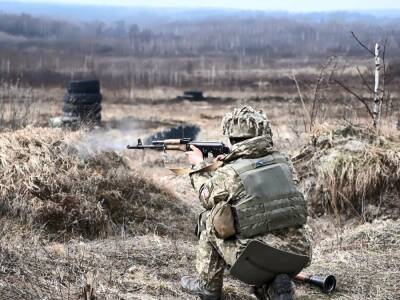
(364, 259)
(47, 185)
(347, 169)
(19, 107)
(123, 269)
(67, 212)
(22, 106)
(142, 267)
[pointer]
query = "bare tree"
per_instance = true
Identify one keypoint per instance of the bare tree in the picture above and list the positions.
(377, 98)
(378, 91)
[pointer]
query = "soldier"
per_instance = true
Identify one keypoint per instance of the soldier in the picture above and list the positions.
(221, 242)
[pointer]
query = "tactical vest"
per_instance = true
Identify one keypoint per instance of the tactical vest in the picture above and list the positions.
(272, 199)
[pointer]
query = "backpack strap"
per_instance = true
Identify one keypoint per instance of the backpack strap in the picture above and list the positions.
(244, 165)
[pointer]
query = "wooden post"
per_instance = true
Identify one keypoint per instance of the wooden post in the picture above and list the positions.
(377, 98)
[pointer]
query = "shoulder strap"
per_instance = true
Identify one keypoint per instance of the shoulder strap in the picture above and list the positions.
(244, 165)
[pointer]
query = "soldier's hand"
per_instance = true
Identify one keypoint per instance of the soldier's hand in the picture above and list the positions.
(219, 157)
(195, 156)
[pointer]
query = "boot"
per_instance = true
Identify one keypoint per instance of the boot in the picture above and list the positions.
(194, 286)
(260, 292)
(282, 288)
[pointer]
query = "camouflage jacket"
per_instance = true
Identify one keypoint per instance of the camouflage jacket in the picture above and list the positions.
(225, 184)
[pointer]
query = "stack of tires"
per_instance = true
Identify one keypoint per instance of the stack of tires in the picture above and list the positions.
(83, 101)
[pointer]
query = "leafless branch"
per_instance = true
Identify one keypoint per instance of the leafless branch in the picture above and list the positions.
(365, 82)
(305, 111)
(384, 48)
(362, 44)
(320, 80)
(332, 71)
(362, 100)
(384, 67)
(315, 98)
(388, 102)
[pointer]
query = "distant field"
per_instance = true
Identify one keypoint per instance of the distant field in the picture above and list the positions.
(81, 216)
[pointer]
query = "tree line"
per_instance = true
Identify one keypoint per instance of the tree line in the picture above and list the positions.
(267, 36)
(214, 51)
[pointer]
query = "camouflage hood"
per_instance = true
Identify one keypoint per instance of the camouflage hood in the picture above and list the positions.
(252, 148)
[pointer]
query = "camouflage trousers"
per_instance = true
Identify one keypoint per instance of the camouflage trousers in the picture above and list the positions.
(214, 254)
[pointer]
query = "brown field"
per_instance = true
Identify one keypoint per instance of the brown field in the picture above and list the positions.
(143, 254)
(80, 215)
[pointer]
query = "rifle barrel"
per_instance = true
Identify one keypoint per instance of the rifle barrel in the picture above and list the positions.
(154, 147)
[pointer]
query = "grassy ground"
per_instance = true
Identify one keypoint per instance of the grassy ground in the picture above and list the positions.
(365, 263)
(143, 254)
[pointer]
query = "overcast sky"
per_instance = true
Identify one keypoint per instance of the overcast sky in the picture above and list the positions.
(291, 5)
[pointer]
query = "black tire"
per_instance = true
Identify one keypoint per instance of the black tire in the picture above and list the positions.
(90, 121)
(94, 116)
(83, 99)
(71, 114)
(83, 115)
(81, 109)
(84, 86)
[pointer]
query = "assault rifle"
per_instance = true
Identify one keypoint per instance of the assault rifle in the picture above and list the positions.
(215, 148)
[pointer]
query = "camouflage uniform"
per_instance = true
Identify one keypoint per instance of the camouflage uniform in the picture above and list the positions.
(214, 253)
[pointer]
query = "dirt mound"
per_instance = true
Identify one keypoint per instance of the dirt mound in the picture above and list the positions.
(46, 185)
(351, 171)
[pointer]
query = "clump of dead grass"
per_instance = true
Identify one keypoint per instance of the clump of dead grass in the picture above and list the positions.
(141, 267)
(46, 185)
(345, 170)
(19, 106)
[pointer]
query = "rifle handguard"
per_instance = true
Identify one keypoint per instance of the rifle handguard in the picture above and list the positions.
(176, 147)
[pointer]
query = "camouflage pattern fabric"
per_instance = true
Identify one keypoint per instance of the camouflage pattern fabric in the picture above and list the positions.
(209, 264)
(214, 253)
(225, 184)
(246, 122)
